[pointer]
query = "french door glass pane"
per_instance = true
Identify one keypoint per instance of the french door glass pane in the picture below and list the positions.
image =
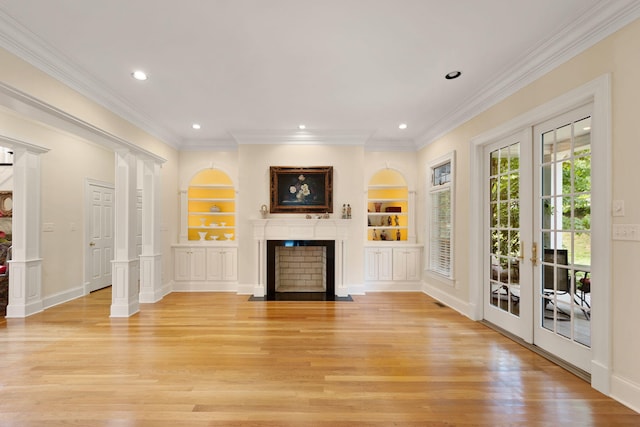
(504, 223)
(565, 204)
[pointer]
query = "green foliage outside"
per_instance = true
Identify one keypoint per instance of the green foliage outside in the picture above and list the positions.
(505, 208)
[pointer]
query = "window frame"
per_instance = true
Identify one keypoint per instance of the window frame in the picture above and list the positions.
(432, 190)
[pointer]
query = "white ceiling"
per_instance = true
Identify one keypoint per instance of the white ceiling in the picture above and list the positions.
(351, 70)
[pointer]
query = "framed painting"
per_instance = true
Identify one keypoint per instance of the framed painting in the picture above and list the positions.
(301, 189)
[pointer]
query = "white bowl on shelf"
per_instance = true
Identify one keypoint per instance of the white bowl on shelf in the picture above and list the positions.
(228, 235)
(222, 224)
(213, 237)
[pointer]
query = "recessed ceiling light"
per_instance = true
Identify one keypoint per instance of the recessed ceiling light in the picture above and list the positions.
(196, 126)
(453, 75)
(139, 75)
(302, 127)
(402, 126)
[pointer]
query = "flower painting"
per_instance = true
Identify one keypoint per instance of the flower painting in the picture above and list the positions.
(301, 189)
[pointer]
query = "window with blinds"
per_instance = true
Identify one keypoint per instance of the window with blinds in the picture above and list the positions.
(441, 217)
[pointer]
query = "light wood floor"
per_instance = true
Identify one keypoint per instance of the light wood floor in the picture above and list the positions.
(212, 359)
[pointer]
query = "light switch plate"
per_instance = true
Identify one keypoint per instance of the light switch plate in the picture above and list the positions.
(617, 208)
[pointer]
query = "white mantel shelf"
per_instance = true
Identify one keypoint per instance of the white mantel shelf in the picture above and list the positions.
(301, 229)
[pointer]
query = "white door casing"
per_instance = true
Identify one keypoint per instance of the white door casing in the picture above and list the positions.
(598, 92)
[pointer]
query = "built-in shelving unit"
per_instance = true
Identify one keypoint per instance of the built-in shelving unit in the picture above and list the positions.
(211, 207)
(387, 207)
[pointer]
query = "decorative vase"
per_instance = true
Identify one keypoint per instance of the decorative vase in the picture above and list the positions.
(377, 205)
(203, 235)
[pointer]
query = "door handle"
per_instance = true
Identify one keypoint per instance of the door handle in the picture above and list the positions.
(521, 255)
(534, 254)
(92, 244)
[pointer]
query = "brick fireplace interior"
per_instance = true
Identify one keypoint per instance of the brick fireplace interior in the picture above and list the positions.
(300, 266)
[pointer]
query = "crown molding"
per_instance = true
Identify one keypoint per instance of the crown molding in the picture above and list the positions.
(7, 141)
(602, 20)
(23, 43)
(390, 145)
(209, 145)
(40, 111)
(302, 137)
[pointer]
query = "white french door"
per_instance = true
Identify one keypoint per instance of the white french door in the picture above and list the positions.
(507, 281)
(537, 239)
(562, 230)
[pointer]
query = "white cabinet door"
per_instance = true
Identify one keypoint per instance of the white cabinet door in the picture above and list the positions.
(385, 264)
(222, 264)
(414, 255)
(182, 264)
(198, 264)
(406, 264)
(378, 264)
(214, 264)
(371, 264)
(230, 264)
(189, 264)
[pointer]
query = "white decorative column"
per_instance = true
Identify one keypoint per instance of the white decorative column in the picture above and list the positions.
(125, 264)
(260, 288)
(25, 267)
(412, 223)
(151, 257)
(184, 217)
(340, 281)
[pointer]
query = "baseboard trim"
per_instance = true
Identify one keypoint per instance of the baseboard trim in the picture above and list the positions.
(62, 297)
(626, 392)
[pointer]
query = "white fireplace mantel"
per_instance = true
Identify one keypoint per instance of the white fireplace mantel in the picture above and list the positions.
(301, 229)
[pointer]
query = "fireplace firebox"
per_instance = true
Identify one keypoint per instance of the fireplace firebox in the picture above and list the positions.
(291, 268)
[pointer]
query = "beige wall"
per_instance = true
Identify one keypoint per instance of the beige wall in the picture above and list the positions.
(618, 55)
(65, 168)
(255, 160)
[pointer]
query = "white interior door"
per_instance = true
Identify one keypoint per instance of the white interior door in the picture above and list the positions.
(99, 235)
(507, 294)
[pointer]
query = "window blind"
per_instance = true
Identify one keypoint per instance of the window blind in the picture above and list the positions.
(440, 235)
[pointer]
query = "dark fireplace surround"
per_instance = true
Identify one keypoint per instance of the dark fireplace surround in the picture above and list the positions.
(330, 251)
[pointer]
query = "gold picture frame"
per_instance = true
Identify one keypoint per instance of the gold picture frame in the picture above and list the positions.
(296, 189)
